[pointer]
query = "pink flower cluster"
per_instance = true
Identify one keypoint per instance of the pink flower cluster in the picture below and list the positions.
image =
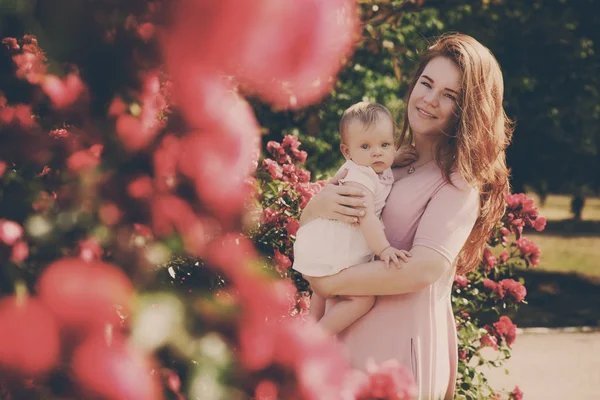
(506, 287)
(11, 235)
(529, 250)
(522, 213)
(389, 381)
(504, 329)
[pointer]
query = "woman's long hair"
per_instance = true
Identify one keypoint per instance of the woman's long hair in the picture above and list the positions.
(475, 147)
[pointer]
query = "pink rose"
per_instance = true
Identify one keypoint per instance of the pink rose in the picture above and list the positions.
(506, 329)
(539, 224)
(292, 226)
(516, 394)
(283, 263)
(489, 341)
(488, 259)
(273, 168)
(514, 289)
(461, 281)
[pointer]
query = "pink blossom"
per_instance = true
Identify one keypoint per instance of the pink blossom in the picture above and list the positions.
(140, 188)
(165, 163)
(503, 256)
(489, 259)
(290, 143)
(300, 155)
(20, 252)
(516, 394)
(10, 232)
(63, 93)
(514, 289)
(506, 329)
(540, 224)
(110, 214)
(10, 43)
(268, 216)
(283, 263)
(388, 380)
(292, 226)
(489, 285)
(90, 249)
(489, 341)
(59, 133)
(461, 281)
(273, 168)
(266, 390)
(529, 250)
(84, 160)
(224, 151)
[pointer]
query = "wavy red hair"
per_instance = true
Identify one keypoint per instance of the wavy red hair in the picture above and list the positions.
(475, 146)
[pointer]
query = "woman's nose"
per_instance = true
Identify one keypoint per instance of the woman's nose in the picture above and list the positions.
(431, 98)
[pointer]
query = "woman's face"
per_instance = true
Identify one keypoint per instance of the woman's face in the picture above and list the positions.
(433, 103)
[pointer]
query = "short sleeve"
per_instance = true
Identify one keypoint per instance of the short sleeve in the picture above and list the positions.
(448, 219)
(363, 175)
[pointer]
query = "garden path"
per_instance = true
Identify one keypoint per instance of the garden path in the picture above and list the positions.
(553, 364)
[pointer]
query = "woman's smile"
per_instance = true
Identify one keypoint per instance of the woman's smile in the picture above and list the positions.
(425, 114)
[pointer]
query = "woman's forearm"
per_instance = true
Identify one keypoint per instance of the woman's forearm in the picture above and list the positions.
(424, 268)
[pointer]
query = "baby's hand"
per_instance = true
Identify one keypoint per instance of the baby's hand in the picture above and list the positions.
(393, 254)
(405, 155)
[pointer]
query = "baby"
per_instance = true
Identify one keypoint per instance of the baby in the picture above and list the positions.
(325, 247)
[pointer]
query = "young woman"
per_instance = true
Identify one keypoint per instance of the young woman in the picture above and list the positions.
(442, 209)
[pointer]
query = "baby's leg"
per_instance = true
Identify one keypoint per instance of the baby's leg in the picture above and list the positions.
(341, 315)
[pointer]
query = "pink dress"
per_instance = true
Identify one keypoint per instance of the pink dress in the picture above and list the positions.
(418, 329)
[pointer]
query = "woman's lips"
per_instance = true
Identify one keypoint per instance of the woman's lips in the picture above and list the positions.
(426, 114)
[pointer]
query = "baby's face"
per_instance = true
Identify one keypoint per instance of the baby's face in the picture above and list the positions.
(370, 147)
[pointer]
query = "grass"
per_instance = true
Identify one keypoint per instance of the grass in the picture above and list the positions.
(563, 289)
(569, 254)
(557, 208)
(569, 246)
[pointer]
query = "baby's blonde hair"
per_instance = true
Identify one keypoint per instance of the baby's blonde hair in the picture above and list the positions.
(365, 112)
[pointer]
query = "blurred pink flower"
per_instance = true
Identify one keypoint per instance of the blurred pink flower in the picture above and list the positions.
(10, 232)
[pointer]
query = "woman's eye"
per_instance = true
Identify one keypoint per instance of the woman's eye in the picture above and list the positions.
(364, 146)
(426, 84)
(385, 145)
(450, 97)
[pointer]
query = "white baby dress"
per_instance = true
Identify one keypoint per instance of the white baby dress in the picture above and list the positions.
(324, 247)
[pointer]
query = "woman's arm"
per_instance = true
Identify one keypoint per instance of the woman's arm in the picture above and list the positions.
(424, 268)
(443, 230)
(339, 202)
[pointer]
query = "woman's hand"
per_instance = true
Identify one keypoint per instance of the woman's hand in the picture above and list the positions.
(337, 202)
(405, 155)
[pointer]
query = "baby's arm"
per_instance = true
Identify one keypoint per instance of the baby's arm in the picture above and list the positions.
(372, 229)
(370, 225)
